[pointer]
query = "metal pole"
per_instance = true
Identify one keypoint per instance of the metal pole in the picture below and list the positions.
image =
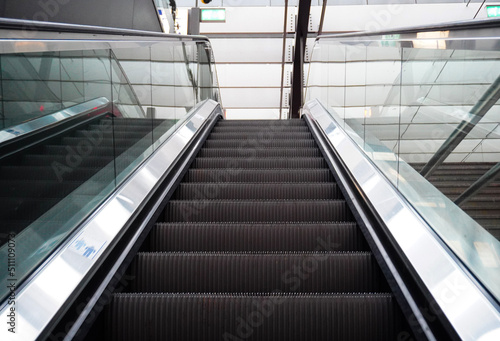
(483, 105)
(298, 60)
(323, 11)
(480, 183)
(283, 57)
(479, 9)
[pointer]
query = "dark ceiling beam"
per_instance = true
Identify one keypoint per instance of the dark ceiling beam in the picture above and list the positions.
(298, 58)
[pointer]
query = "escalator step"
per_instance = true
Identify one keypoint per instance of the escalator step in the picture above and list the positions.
(257, 211)
(258, 175)
(467, 178)
(471, 206)
(265, 163)
(256, 272)
(259, 152)
(256, 244)
(126, 125)
(140, 120)
(249, 129)
(172, 237)
(97, 150)
(32, 208)
(133, 134)
(47, 189)
(17, 226)
(262, 135)
(275, 317)
(265, 123)
(199, 191)
(82, 161)
(54, 173)
(97, 141)
(309, 143)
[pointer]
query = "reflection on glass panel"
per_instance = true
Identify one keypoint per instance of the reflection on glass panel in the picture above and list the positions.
(52, 183)
(91, 117)
(407, 107)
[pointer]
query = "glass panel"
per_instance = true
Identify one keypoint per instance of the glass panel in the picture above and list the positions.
(406, 102)
(78, 123)
(52, 184)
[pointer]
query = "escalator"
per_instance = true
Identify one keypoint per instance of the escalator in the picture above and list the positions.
(197, 228)
(257, 242)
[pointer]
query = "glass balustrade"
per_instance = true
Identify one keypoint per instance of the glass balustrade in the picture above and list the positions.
(76, 119)
(422, 106)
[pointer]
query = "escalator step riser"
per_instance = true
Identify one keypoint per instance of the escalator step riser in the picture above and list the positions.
(263, 163)
(471, 206)
(83, 161)
(257, 153)
(462, 184)
(237, 272)
(201, 191)
(261, 136)
(494, 191)
(251, 129)
(264, 123)
(135, 126)
(484, 214)
(138, 125)
(24, 208)
(95, 150)
(140, 120)
(47, 189)
(257, 211)
(269, 144)
(32, 208)
(361, 317)
(454, 178)
(54, 173)
(186, 237)
(108, 141)
(491, 226)
(258, 175)
(133, 134)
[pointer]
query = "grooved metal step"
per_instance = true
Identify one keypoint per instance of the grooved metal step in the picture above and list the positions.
(51, 174)
(257, 211)
(257, 226)
(274, 317)
(262, 163)
(120, 134)
(67, 160)
(305, 143)
(200, 191)
(47, 189)
(111, 151)
(256, 272)
(261, 135)
(264, 123)
(250, 129)
(259, 152)
(31, 208)
(258, 175)
(331, 236)
(452, 179)
(104, 141)
(39, 177)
